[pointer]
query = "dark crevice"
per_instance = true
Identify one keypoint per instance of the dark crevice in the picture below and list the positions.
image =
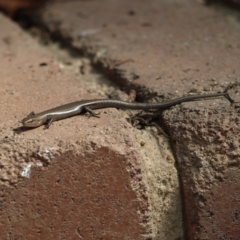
(108, 67)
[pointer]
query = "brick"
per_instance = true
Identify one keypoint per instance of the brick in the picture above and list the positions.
(81, 178)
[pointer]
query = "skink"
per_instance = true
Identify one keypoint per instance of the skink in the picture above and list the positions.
(68, 110)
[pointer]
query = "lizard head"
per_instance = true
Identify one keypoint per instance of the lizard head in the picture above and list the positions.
(32, 120)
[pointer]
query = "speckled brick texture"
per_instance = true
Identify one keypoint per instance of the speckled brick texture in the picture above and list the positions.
(84, 196)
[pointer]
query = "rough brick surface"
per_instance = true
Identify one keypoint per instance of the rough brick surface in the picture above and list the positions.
(82, 196)
(208, 155)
